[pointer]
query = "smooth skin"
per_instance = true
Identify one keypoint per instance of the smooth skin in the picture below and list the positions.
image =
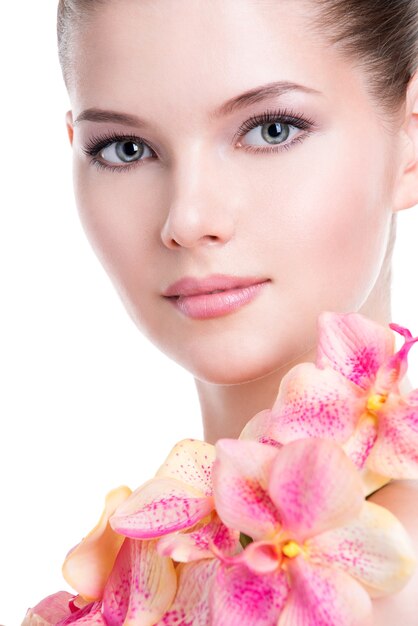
(313, 219)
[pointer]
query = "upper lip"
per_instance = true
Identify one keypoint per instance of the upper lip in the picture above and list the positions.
(191, 286)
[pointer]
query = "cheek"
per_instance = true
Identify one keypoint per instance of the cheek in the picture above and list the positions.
(121, 215)
(119, 219)
(328, 223)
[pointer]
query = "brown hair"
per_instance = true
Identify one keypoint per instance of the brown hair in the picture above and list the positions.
(379, 36)
(71, 15)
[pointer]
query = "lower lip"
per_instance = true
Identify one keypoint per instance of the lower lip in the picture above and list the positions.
(208, 305)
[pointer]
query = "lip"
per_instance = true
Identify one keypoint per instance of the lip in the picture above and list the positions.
(194, 298)
(190, 286)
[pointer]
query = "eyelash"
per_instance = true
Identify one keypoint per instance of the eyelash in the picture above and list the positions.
(283, 116)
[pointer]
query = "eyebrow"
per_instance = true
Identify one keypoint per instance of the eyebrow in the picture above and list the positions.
(252, 96)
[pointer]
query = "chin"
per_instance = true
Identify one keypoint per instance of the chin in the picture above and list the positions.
(235, 369)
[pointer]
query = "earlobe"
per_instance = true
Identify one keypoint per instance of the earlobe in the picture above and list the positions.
(69, 123)
(406, 195)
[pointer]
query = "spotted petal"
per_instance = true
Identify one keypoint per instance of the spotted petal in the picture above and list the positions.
(91, 615)
(395, 452)
(353, 345)
(315, 402)
(160, 506)
(141, 587)
(323, 596)
(359, 445)
(87, 566)
(240, 478)
(195, 543)
(190, 461)
(49, 610)
(241, 598)
(191, 604)
(374, 548)
(358, 448)
(261, 428)
(315, 487)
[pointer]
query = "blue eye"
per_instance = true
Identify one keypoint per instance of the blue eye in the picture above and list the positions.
(275, 130)
(126, 151)
(117, 149)
(120, 153)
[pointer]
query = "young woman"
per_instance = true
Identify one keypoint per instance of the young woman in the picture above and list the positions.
(238, 168)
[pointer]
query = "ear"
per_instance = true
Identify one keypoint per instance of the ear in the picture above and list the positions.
(70, 126)
(406, 194)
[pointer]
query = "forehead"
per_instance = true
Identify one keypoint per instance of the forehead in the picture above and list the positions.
(202, 52)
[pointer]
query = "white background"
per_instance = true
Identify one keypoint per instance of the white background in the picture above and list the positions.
(80, 409)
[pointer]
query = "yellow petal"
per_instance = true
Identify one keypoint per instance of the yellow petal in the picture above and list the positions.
(190, 461)
(88, 565)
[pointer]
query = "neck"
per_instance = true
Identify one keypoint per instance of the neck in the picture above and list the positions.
(227, 408)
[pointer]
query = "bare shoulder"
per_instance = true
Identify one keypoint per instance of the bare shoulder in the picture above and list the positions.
(401, 498)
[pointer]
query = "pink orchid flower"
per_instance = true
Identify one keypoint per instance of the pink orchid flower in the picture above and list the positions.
(54, 608)
(191, 605)
(197, 542)
(351, 396)
(140, 589)
(319, 550)
(178, 497)
(177, 507)
(120, 581)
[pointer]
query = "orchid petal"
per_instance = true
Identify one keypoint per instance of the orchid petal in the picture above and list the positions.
(49, 610)
(160, 506)
(395, 366)
(362, 440)
(261, 428)
(323, 596)
(412, 397)
(90, 616)
(353, 345)
(241, 598)
(191, 604)
(240, 478)
(359, 447)
(141, 587)
(87, 566)
(372, 481)
(315, 402)
(374, 548)
(190, 461)
(315, 487)
(195, 544)
(261, 557)
(395, 453)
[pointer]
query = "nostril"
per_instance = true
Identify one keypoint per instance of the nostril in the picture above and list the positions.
(213, 238)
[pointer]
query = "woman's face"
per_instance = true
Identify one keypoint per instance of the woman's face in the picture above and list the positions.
(306, 208)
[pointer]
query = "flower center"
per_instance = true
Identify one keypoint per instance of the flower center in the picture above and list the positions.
(374, 402)
(291, 549)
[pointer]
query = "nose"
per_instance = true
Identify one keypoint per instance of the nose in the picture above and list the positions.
(198, 214)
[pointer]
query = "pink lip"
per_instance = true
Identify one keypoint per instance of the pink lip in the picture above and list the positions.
(194, 299)
(189, 286)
